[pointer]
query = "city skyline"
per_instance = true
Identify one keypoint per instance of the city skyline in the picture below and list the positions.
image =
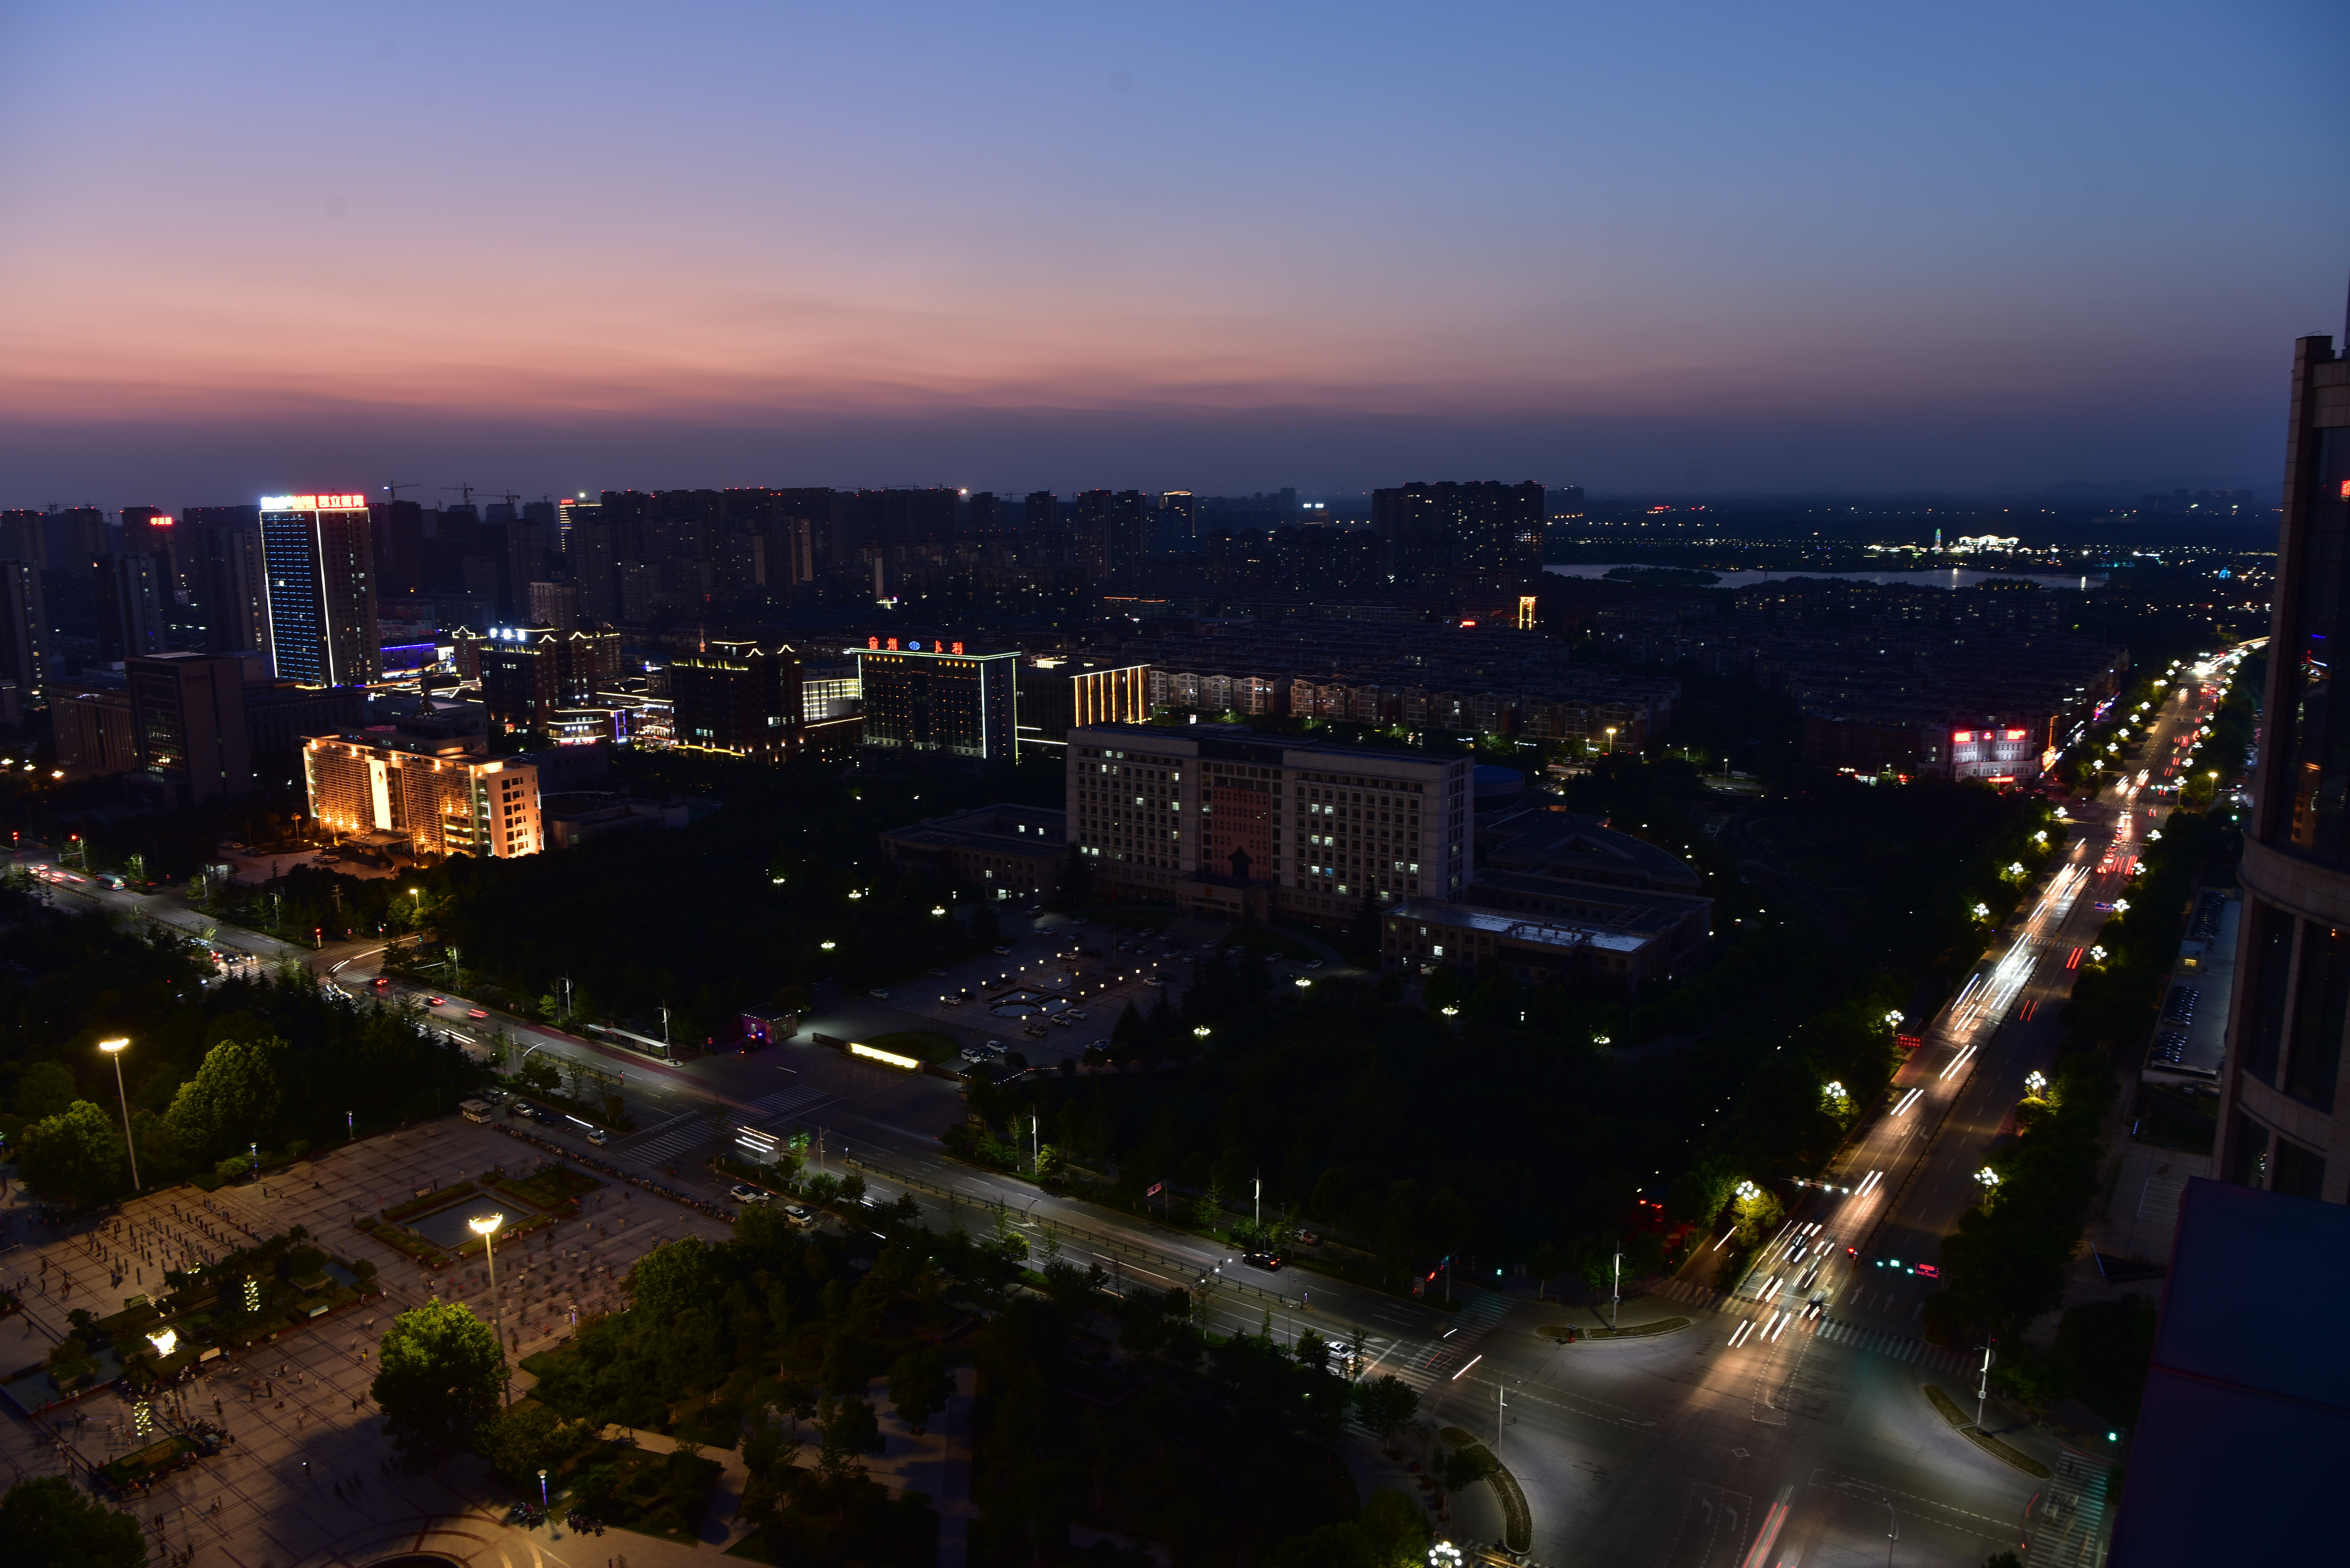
(1224, 253)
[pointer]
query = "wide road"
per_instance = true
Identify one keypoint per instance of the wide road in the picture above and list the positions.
(1791, 1407)
(1795, 1405)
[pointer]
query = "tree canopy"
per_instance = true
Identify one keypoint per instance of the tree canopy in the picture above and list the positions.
(439, 1375)
(51, 1521)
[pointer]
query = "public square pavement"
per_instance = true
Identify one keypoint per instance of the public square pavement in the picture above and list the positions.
(307, 1478)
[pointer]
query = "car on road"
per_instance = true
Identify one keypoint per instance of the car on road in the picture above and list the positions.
(1269, 1262)
(599, 1137)
(436, 1001)
(475, 1012)
(1313, 963)
(882, 992)
(381, 980)
(743, 1192)
(1003, 952)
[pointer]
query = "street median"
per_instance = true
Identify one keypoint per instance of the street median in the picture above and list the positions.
(1951, 1412)
(1517, 1519)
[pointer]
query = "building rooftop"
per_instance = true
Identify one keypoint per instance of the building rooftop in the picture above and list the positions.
(1568, 845)
(1004, 829)
(1550, 930)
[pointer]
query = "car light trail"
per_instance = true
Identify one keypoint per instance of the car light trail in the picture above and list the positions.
(1759, 1554)
(1957, 1061)
(1907, 1100)
(1473, 1361)
(1868, 1184)
(1744, 1330)
(1781, 1327)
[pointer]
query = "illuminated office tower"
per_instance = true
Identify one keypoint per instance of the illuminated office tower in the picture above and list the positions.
(320, 561)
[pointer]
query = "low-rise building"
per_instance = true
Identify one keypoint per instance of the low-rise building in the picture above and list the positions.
(1017, 850)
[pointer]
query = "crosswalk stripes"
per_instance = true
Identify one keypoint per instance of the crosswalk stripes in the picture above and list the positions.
(1899, 1347)
(784, 1102)
(1476, 1318)
(672, 1136)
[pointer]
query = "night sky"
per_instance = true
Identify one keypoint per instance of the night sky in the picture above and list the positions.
(1701, 248)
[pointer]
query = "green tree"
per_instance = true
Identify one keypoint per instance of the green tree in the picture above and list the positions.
(1394, 1529)
(52, 1520)
(440, 1373)
(1327, 1546)
(76, 1154)
(673, 1279)
(919, 1385)
(521, 1442)
(1387, 1405)
(538, 1075)
(233, 1099)
(44, 1090)
(849, 1429)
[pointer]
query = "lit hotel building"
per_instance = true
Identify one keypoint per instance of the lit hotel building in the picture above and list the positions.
(935, 697)
(318, 553)
(2284, 1116)
(440, 795)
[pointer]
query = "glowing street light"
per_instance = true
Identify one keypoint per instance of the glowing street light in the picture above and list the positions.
(1982, 911)
(115, 1048)
(2035, 1081)
(2097, 955)
(1988, 1176)
(1895, 1018)
(485, 1226)
(1449, 1011)
(2121, 906)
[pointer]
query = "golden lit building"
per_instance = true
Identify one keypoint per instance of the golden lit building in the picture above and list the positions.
(440, 796)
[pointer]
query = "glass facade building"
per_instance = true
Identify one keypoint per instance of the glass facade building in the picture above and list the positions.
(318, 553)
(2284, 1122)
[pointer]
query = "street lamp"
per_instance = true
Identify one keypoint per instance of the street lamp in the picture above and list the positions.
(115, 1048)
(485, 1226)
(1611, 739)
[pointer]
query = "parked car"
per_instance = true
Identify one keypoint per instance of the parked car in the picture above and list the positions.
(744, 1192)
(940, 972)
(799, 1214)
(973, 1054)
(1313, 963)
(1307, 1239)
(882, 992)
(1003, 950)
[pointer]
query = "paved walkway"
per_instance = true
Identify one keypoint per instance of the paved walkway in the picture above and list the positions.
(305, 1480)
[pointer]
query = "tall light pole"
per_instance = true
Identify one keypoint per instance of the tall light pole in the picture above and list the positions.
(114, 1048)
(485, 1226)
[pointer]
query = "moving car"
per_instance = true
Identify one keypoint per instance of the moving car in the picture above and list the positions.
(381, 980)
(475, 1012)
(1269, 1262)
(436, 1001)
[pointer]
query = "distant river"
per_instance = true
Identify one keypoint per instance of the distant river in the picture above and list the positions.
(1948, 577)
